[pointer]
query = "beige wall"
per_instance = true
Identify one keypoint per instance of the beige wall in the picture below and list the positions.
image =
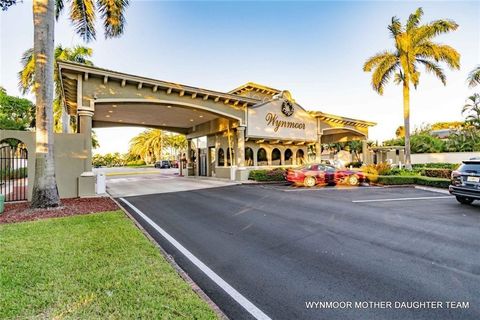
(448, 157)
(70, 156)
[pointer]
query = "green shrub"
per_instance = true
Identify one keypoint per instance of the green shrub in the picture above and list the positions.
(403, 172)
(440, 165)
(437, 173)
(267, 175)
(433, 182)
(135, 163)
(354, 164)
(396, 180)
(405, 180)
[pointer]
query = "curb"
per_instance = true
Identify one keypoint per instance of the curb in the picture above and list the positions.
(177, 268)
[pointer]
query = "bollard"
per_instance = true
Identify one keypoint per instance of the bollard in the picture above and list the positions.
(2, 203)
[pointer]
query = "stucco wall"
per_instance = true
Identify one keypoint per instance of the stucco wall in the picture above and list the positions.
(448, 157)
(70, 155)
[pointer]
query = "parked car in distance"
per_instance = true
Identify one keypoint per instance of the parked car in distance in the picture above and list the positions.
(318, 173)
(163, 164)
(465, 185)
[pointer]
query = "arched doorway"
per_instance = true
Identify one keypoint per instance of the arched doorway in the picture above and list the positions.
(288, 157)
(262, 157)
(13, 170)
(276, 157)
(300, 157)
(248, 157)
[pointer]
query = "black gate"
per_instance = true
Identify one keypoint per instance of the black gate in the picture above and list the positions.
(13, 172)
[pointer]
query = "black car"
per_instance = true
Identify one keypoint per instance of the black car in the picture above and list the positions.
(466, 182)
(164, 164)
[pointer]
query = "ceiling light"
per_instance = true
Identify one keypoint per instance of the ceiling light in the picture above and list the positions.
(110, 111)
(191, 120)
(120, 120)
(143, 122)
(114, 105)
(163, 124)
(169, 107)
(108, 116)
(200, 116)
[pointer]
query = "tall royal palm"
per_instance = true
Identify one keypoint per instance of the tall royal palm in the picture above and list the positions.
(413, 48)
(83, 15)
(474, 77)
(26, 76)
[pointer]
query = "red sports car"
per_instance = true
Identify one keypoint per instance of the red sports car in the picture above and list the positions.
(314, 174)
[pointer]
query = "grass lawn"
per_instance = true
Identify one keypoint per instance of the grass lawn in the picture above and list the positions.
(97, 266)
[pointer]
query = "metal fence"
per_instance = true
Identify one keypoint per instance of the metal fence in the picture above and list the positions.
(13, 172)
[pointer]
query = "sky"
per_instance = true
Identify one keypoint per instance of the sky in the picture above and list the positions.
(314, 49)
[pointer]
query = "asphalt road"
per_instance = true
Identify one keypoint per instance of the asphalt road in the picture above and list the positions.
(281, 247)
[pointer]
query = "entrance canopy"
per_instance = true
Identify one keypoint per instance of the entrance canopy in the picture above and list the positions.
(119, 99)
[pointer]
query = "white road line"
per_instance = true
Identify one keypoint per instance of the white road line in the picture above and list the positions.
(402, 199)
(244, 302)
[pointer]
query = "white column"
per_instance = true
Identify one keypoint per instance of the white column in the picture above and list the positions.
(85, 127)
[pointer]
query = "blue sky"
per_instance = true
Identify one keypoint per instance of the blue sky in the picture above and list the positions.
(314, 49)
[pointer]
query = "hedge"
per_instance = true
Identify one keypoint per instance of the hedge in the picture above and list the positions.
(437, 173)
(439, 165)
(424, 181)
(267, 175)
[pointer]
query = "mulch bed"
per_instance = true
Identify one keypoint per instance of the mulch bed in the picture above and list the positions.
(19, 212)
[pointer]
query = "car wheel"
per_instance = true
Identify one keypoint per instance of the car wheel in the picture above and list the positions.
(464, 200)
(352, 180)
(309, 181)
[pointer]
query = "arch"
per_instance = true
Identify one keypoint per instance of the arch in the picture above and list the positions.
(248, 156)
(300, 155)
(276, 157)
(343, 130)
(262, 159)
(221, 158)
(288, 157)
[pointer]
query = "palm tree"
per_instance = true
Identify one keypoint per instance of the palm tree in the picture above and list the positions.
(148, 145)
(26, 76)
(413, 47)
(474, 77)
(472, 110)
(83, 16)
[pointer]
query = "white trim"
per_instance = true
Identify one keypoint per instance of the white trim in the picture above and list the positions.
(168, 102)
(239, 298)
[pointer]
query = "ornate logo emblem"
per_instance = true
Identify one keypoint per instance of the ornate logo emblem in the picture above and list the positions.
(287, 108)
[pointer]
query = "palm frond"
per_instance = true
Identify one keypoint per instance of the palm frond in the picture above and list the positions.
(383, 73)
(112, 14)
(433, 29)
(414, 19)
(435, 69)
(27, 74)
(398, 78)
(82, 14)
(59, 5)
(375, 60)
(474, 77)
(395, 27)
(439, 52)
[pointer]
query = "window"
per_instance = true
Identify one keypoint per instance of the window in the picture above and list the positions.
(288, 156)
(300, 157)
(276, 157)
(262, 157)
(248, 156)
(221, 158)
(230, 152)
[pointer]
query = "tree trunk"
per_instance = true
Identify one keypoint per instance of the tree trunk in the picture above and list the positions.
(45, 192)
(406, 119)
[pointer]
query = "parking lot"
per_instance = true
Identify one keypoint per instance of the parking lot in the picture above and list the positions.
(266, 251)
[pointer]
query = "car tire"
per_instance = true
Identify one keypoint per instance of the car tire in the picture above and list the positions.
(464, 200)
(353, 180)
(309, 181)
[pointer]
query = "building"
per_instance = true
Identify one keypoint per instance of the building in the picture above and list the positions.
(228, 134)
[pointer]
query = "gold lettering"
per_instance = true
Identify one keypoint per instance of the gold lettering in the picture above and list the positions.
(272, 120)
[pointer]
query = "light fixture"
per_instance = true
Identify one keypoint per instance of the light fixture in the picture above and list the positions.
(191, 120)
(163, 124)
(108, 116)
(120, 120)
(114, 105)
(143, 122)
(169, 107)
(110, 111)
(200, 116)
